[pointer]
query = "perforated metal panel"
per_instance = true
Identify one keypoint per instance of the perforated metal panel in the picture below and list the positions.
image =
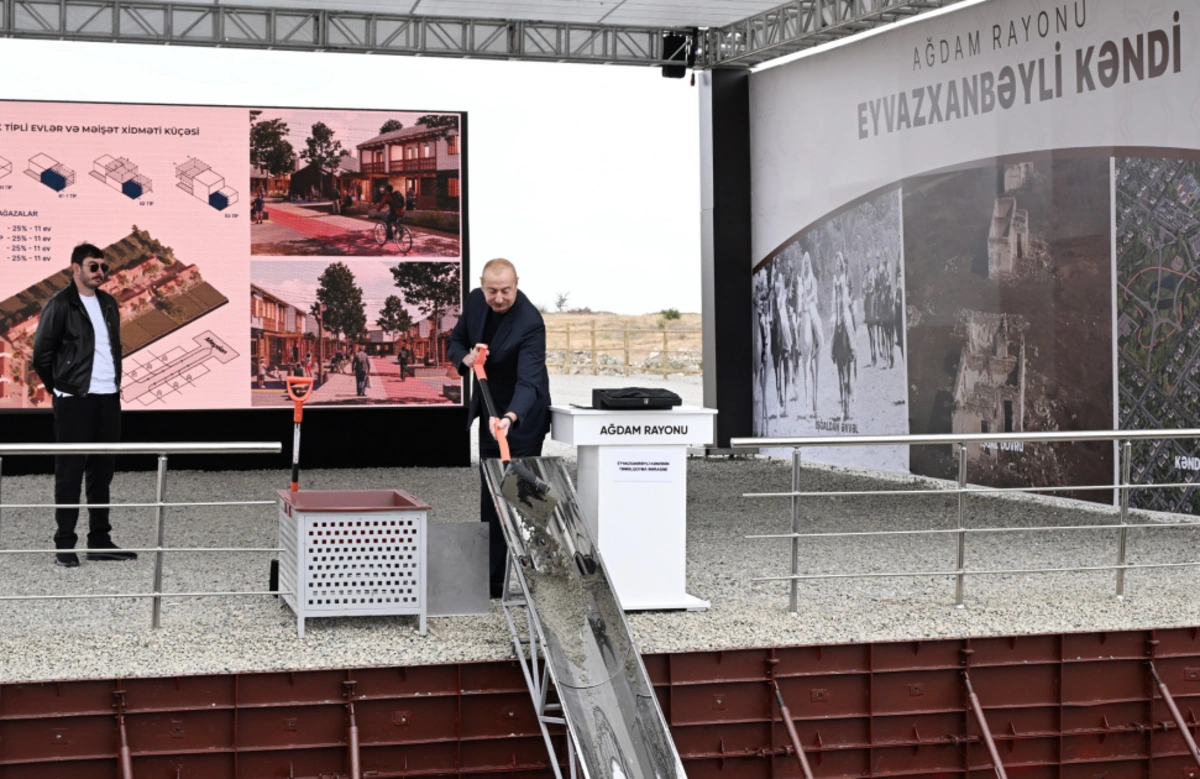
(350, 563)
(363, 564)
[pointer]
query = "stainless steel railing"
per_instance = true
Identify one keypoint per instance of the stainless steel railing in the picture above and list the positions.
(962, 490)
(160, 505)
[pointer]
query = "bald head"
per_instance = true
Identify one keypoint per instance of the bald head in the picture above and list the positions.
(499, 284)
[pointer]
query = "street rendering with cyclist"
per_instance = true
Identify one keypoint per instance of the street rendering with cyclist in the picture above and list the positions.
(311, 228)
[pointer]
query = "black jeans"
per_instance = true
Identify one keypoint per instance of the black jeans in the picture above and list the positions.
(498, 548)
(84, 419)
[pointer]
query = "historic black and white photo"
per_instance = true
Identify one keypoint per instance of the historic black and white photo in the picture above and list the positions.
(1010, 320)
(829, 332)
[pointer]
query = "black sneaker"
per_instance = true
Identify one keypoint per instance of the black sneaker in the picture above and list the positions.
(107, 550)
(66, 560)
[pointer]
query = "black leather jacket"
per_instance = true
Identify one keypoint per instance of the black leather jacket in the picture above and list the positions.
(65, 342)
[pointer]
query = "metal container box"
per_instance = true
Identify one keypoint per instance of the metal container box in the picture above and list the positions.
(349, 553)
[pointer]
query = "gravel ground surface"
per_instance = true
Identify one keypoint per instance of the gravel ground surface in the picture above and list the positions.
(107, 638)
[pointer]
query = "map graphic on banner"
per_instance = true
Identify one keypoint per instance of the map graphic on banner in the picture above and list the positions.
(1158, 324)
(245, 246)
(1047, 162)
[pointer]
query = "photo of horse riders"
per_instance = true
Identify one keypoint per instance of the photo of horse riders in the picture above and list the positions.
(829, 333)
(883, 309)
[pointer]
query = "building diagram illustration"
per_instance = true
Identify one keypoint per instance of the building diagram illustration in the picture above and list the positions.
(5, 167)
(49, 171)
(122, 175)
(199, 180)
(157, 293)
(151, 378)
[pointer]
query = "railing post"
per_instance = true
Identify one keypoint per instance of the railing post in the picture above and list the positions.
(567, 353)
(1126, 459)
(160, 493)
(593, 347)
(793, 598)
(666, 366)
(1, 494)
(625, 335)
(962, 536)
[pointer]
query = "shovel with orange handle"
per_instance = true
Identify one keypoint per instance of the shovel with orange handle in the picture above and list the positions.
(299, 389)
(520, 485)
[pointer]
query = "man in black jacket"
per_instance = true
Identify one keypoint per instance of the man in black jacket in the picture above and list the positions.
(77, 355)
(498, 315)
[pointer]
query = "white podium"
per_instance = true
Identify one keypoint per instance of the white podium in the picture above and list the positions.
(633, 491)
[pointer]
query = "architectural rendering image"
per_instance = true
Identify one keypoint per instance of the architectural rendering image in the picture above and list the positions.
(322, 179)
(199, 180)
(45, 169)
(157, 294)
(122, 175)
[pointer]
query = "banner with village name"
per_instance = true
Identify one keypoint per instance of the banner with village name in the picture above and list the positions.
(245, 245)
(987, 221)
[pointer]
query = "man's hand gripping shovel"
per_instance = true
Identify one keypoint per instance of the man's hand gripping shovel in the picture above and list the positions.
(299, 388)
(520, 486)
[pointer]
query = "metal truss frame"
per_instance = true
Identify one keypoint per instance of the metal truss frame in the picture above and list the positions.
(535, 667)
(785, 29)
(196, 24)
(801, 24)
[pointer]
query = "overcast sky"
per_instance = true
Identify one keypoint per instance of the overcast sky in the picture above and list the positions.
(585, 176)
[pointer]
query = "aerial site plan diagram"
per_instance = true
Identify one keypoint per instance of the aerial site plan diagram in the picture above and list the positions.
(199, 180)
(122, 175)
(49, 171)
(1158, 320)
(157, 295)
(151, 377)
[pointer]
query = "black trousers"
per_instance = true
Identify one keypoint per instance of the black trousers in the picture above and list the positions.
(498, 548)
(84, 419)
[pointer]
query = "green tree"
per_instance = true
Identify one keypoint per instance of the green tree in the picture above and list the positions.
(321, 149)
(269, 147)
(394, 318)
(391, 126)
(343, 301)
(434, 288)
(443, 123)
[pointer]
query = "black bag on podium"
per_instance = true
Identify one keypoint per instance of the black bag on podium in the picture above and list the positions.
(634, 398)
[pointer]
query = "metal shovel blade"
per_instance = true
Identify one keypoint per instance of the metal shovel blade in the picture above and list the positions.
(528, 493)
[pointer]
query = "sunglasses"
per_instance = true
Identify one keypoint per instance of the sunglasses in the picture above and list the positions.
(92, 267)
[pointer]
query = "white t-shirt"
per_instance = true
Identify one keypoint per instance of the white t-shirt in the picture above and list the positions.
(104, 372)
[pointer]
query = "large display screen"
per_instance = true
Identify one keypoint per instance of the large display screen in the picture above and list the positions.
(245, 245)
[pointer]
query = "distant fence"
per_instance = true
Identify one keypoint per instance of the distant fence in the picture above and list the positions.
(624, 350)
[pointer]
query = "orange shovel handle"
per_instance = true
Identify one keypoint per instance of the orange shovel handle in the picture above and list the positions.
(299, 381)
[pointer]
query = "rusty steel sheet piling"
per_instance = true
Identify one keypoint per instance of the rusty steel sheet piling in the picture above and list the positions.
(1119, 705)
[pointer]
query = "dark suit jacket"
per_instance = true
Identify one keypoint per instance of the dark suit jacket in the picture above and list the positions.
(516, 366)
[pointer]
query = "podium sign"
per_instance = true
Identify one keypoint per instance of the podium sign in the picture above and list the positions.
(633, 491)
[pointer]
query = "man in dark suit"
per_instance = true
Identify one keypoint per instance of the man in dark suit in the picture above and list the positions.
(498, 315)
